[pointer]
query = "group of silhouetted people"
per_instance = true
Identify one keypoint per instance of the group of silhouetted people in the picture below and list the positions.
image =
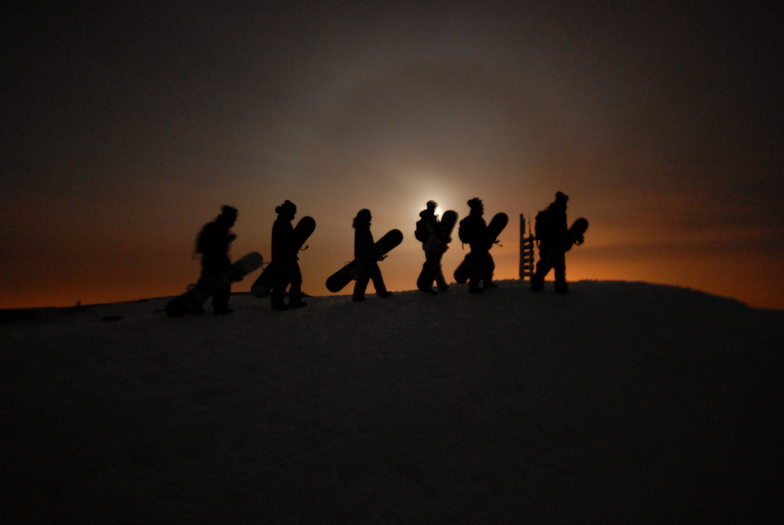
(552, 235)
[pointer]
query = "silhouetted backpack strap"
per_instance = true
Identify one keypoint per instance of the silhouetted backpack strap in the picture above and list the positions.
(421, 232)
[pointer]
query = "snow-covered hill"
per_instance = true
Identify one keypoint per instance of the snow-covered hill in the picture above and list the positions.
(617, 403)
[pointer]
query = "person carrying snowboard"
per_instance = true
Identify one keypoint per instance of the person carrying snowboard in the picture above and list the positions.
(428, 232)
(552, 237)
(365, 251)
(285, 268)
(213, 246)
(473, 230)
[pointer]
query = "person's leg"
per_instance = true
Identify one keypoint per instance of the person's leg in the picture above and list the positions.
(542, 269)
(295, 292)
(220, 300)
(560, 273)
(213, 274)
(280, 281)
(434, 258)
(361, 285)
(488, 267)
(378, 281)
(475, 275)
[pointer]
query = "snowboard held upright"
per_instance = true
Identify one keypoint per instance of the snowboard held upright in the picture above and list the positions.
(577, 233)
(338, 280)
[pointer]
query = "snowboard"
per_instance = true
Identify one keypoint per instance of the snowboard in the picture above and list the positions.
(445, 227)
(494, 229)
(577, 233)
(338, 280)
(192, 301)
(262, 286)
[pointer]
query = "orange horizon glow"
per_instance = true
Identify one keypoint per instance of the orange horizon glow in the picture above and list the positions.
(587, 262)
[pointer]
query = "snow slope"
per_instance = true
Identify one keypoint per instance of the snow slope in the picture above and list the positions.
(617, 403)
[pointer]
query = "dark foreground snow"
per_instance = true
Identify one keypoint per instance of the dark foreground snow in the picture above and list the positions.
(618, 403)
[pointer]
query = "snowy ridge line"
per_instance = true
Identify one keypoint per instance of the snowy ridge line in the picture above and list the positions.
(37, 312)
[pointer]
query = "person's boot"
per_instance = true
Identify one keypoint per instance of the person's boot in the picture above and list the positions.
(561, 287)
(295, 299)
(441, 282)
(537, 283)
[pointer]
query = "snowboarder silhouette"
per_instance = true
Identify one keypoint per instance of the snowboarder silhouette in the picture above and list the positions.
(213, 245)
(284, 260)
(473, 230)
(428, 233)
(365, 251)
(552, 237)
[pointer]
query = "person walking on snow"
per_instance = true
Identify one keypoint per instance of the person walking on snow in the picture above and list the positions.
(473, 230)
(552, 237)
(213, 245)
(429, 233)
(284, 258)
(365, 252)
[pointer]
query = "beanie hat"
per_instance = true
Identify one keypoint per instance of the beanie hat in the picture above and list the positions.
(475, 203)
(286, 207)
(228, 211)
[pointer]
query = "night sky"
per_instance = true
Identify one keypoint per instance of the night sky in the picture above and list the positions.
(125, 128)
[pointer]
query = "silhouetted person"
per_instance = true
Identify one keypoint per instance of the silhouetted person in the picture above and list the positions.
(365, 251)
(552, 237)
(473, 230)
(213, 245)
(434, 246)
(284, 258)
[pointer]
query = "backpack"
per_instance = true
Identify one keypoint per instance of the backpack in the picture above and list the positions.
(421, 233)
(543, 225)
(205, 241)
(201, 244)
(466, 230)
